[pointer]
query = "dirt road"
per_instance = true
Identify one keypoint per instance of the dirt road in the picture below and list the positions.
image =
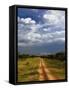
(44, 73)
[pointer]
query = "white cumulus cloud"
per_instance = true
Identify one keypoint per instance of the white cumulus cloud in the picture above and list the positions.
(27, 20)
(54, 16)
(52, 30)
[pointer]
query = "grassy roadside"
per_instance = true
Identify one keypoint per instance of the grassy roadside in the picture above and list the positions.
(27, 69)
(56, 67)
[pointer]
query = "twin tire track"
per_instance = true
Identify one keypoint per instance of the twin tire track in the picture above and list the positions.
(44, 73)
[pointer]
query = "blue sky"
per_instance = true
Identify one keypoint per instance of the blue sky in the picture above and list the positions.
(41, 31)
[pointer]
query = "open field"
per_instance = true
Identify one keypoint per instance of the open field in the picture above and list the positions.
(27, 69)
(56, 67)
(39, 69)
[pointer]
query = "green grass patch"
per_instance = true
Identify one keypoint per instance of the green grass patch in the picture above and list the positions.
(57, 67)
(27, 69)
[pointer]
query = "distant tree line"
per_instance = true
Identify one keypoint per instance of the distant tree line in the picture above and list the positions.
(58, 56)
(26, 55)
